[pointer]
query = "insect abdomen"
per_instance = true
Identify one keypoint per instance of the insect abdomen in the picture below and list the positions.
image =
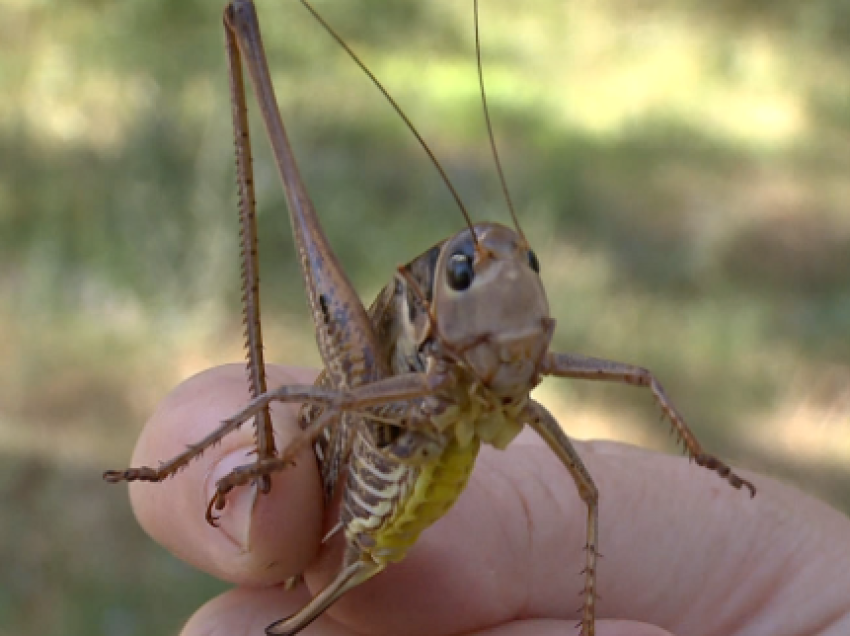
(411, 498)
(435, 491)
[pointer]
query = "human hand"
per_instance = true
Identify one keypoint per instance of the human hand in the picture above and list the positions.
(683, 552)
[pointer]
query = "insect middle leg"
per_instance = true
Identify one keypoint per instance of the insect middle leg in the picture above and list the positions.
(548, 428)
(416, 442)
(292, 393)
(262, 469)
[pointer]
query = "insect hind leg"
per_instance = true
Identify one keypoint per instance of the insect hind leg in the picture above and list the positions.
(348, 578)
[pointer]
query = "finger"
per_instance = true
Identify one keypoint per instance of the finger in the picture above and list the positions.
(682, 549)
(250, 611)
(262, 539)
(242, 611)
(698, 557)
(553, 627)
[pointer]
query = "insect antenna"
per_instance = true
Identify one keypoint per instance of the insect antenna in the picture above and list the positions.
(398, 110)
(490, 126)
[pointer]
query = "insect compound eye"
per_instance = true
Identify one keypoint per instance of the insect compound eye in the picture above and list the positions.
(533, 263)
(460, 272)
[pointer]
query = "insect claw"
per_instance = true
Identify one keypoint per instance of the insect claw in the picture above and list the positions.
(265, 484)
(112, 476)
(292, 582)
(210, 517)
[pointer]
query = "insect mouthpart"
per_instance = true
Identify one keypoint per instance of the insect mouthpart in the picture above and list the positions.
(509, 365)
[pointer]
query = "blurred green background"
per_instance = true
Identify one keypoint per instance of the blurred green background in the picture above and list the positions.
(682, 168)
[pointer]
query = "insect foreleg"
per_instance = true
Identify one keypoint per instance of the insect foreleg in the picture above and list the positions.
(290, 393)
(167, 469)
(416, 443)
(397, 388)
(568, 365)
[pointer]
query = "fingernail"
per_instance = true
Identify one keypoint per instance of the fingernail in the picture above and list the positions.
(235, 519)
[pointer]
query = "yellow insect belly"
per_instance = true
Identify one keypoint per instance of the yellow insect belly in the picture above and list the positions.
(411, 498)
(434, 491)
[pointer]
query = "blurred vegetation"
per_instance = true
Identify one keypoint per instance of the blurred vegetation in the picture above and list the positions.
(681, 167)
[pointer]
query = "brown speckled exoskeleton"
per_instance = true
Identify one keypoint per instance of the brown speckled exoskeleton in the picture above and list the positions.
(443, 361)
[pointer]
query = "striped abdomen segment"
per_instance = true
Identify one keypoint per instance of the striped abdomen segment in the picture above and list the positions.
(387, 504)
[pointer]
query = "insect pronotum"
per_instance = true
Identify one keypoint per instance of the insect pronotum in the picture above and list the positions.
(442, 361)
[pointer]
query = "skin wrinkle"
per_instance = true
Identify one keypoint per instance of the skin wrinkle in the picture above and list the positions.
(770, 594)
(791, 565)
(545, 486)
(755, 606)
(212, 627)
(557, 499)
(841, 617)
(730, 605)
(725, 591)
(517, 489)
(495, 493)
(642, 495)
